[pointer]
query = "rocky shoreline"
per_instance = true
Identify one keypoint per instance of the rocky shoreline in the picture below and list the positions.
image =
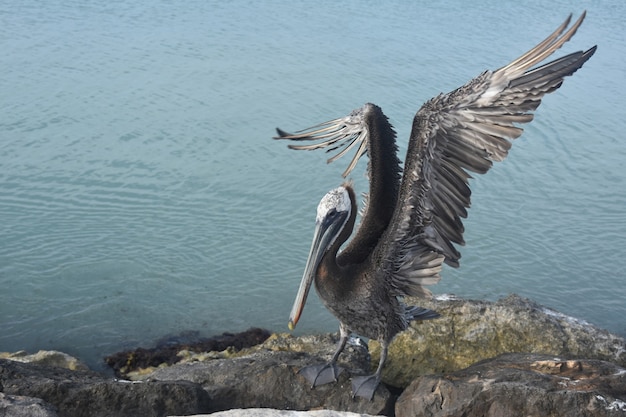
(511, 357)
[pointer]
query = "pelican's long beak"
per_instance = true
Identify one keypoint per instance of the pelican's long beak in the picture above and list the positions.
(315, 256)
(326, 232)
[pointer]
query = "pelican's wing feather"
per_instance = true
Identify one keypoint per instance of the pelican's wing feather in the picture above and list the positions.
(339, 135)
(368, 130)
(454, 134)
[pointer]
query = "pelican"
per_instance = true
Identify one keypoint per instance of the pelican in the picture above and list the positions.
(411, 221)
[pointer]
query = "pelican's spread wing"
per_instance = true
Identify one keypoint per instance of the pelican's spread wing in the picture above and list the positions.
(368, 130)
(339, 135)
(454, 134)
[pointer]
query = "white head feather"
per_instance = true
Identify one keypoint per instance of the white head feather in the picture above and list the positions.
(337, 199)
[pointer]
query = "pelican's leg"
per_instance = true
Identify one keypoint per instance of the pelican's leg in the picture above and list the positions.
(327, 373)
(365, 386)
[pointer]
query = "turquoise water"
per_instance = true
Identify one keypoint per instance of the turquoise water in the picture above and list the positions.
(141, 194)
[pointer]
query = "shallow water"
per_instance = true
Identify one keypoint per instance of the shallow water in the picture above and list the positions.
(141, 194)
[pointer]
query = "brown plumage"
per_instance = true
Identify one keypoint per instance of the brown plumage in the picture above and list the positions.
(413, 218)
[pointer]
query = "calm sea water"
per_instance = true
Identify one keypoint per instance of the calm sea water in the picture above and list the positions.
(141, 194)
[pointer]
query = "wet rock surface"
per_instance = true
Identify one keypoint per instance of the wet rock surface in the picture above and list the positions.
(168, 351)
(520, 385)
(469, 331)
(46, 357)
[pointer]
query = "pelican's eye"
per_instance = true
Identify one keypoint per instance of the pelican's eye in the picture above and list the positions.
(331, 217)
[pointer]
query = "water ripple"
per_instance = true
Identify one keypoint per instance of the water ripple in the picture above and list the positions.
(141, 195)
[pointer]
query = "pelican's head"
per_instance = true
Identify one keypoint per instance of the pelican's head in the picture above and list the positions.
(336, 201)
(333, 213)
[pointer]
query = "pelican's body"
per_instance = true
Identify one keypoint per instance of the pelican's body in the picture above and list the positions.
(412, 219)
(349, 298)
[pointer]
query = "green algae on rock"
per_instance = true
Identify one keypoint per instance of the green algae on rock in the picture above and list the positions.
(469, 331)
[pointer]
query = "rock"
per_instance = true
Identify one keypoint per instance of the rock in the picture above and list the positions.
(268, 412)
(355, 356)
(86, 393)
(470, 331)
(46, 357)
(266, 375)
(319, 345)
(20, 406)
(268, 378)
(170, 350)
(520, 385)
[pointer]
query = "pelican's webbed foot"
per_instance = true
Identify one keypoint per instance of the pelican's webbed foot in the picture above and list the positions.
(365, 386)
(321, 374)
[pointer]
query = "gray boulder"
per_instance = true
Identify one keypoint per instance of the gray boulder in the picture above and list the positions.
(520, 385)
(46, 357)
(20, 406)
(269, 412)
(469, 331)
(86, 393)
(269, 379)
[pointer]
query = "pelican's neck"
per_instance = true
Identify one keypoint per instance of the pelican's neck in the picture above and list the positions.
(384, 173)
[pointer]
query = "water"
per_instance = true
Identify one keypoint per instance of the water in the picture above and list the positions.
(141, 194)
